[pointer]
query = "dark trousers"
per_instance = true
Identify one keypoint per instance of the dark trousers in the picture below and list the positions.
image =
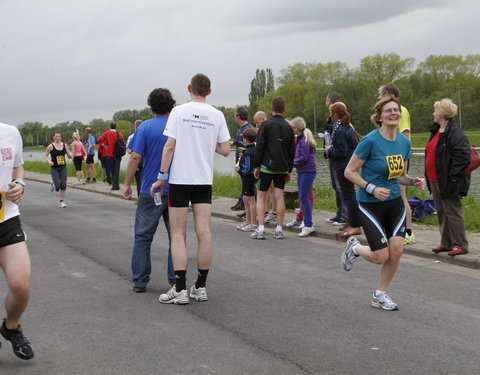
(113, 171)
(341, 213)
(348, 198)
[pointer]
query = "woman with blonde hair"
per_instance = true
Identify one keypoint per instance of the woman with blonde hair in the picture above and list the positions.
(304, 162)
(447, 155)
(78, 153)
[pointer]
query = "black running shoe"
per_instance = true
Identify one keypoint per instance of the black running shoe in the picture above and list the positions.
(20, 344)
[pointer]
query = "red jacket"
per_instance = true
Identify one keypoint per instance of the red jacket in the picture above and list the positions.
(108, 139)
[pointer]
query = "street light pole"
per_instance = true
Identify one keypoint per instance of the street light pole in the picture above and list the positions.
(459, 105)
(314, 119)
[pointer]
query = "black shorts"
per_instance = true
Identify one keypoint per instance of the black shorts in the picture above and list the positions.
(267, 178)
(77, 162)
(381, 221)
(248, 185)
(11, 232)
(182, 195)
(90, 159)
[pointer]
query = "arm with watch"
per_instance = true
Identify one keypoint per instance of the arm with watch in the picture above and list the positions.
(17, 186)
(167, 156)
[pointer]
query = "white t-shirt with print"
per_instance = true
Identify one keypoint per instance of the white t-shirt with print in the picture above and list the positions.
(196, 128)
(11, 147)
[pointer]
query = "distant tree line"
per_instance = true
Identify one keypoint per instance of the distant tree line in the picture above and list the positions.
(305, 86)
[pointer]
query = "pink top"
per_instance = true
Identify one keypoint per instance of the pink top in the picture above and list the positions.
(77, 148)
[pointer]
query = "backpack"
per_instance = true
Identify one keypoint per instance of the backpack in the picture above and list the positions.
(421, 209)
(120, 147)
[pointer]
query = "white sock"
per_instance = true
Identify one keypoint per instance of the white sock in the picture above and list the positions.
(379, 293)
(278, 228)
(354, 249)
(261, 228)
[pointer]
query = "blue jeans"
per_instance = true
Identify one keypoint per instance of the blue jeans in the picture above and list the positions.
(305, 182)
(113, 171)
(341, 213)
(147, 218)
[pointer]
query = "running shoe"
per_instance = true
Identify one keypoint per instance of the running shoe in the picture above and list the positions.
(278, 235)
(457, 251)
(240, 227)
(409, 240)
(172, 296)
(258, 235)
(348, 256)
(250, 228)
(440, 249)
(293, 223)
(384, 302)
(306, 231)
(332, 219)
(62, 205)
(200, 294)
(270, 217)
(20, 344)
(339, 222)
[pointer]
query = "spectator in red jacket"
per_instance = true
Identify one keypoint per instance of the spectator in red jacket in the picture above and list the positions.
(109, 138)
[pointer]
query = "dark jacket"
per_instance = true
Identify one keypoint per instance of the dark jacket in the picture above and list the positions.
(304, 156)
(343, 145)
(275, 145)
(246, 161)
(452, 157)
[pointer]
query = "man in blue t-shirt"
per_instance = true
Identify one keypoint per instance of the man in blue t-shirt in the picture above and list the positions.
(89, 164)
(147, 147)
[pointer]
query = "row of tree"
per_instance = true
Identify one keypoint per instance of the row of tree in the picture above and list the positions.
(305, 86)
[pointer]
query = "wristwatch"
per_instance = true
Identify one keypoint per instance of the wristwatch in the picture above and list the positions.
(162, 176)
(20, 181)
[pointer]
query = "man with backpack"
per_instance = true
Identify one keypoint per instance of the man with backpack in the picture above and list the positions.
(113, 148)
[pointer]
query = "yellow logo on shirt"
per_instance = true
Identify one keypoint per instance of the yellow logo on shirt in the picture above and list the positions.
(60, 159)
(396, 166)
(2, 206)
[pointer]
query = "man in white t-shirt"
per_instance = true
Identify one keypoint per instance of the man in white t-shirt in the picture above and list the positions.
(14, 257)
(195, 131)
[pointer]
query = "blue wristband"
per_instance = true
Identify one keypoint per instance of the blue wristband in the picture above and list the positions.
(162, 176)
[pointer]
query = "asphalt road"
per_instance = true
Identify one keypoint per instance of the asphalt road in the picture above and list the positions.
(275, 307)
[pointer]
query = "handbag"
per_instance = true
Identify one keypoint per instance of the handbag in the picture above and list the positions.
(83, 152)
(474, 160)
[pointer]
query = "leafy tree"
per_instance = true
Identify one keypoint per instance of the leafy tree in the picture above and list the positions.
(131, 115)
(259, 87)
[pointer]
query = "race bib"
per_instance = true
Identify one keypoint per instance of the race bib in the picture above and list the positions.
(2, 206)
(61, 160)
(396, 166)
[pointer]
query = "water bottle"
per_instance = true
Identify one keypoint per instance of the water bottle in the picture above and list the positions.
(157, 197)
(327, 138)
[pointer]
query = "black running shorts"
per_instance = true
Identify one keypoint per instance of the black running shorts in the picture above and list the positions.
(90, 159)
(248, 185)
(267, 178)
(182, 195)
(11, 232)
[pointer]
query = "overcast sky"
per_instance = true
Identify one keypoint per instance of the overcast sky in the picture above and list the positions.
(64, 60)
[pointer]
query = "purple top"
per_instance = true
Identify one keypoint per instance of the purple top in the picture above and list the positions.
(304, 156)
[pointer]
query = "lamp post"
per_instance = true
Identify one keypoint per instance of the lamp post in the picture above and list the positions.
(314, 119)
(459, 105)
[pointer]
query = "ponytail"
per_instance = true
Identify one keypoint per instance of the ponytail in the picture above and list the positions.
(309, 139)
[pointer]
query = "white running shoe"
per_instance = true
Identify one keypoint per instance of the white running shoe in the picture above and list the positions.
(302, 225)
(278, 235)
(293, 223)
(384, 302)
(306, 231)
(172, 296)
(250, 228)
(200, 294)
(241, 226)
(270, 217)
(78, 182)
(62, 205)
(348, 256)
(258, 235)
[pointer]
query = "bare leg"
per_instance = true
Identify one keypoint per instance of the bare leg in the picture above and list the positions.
(178, 225)
(202, 213)
(261, 195)
(389, 268)
(15, 262)
(279, 200)
(252, 209)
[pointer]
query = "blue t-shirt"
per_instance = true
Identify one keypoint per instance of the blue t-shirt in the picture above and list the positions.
(91, 141)
(149, 141)
(384, 163)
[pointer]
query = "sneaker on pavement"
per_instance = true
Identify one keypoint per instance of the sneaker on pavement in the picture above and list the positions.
(332, 219)
(409, 240)
(306, 231)
(293, 223)
(384, 302)
(62, 205)
(258, 235)
(348, 256)
(278, 235)
(240, 227)
(20, 344)
(200, 294)
(172, 296)
(302, 225)
(250, 228)
(270, 217)
(339, 223)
